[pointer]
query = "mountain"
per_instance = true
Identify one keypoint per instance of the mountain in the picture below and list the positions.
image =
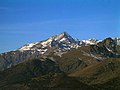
(63, 62)
(58, 44)
(89, 41)
(62, 41)
(108, 48)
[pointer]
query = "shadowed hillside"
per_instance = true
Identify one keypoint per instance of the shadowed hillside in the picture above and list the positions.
(37, 74)
(104, 75)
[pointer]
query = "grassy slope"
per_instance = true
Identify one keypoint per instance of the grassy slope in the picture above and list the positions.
(33, 75)
(76, 59)
(102, 74)
(85, 72)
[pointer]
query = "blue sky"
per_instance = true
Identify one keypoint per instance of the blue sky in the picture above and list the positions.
(25, 21)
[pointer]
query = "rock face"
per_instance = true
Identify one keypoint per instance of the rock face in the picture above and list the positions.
(58, 45)
(14, 57)
(117, 40)
(107, 48)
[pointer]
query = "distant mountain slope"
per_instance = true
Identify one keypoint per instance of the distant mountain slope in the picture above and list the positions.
(57, 46)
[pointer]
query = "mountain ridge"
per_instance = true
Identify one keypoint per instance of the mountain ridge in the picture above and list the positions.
(59, 45)
(62, 62)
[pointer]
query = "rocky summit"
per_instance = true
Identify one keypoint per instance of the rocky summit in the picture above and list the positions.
(62, 62)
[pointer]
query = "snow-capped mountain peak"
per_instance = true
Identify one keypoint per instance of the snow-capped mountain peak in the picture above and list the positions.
(61, 41)
(61, 38)
(62, 35)
(89, 41)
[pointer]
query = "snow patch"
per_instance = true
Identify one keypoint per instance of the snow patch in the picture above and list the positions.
(28, 46)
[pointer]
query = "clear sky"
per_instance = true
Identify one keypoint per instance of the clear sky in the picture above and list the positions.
(25, 21)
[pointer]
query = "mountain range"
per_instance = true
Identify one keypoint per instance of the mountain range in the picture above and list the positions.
(63, 62)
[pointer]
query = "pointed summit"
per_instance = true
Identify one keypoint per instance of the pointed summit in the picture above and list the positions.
(62, 35)
(65, 37)
(63, 40)
(65, 34)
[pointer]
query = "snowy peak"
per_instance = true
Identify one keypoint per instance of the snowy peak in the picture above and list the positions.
(60, 38)
(89, 41)
(28, 46)
(65, 37)
(61, 41)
